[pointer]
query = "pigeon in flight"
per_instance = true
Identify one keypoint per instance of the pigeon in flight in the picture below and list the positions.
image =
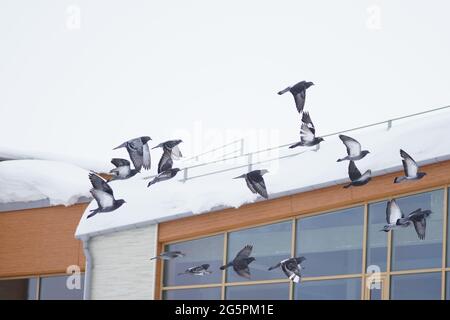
(241, 261)
(291, 268)
(307, 133)
(353, 149)
(138, 151)
(299, 93)
(171, 152)
(255, 182)
(356, 177)
(394, 217)
(197, 271)
(410, 167)
(122, 170)
(169, 255)
(104, 196)
(163, 176)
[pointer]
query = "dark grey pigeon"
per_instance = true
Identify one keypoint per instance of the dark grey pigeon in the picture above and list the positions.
(356, 177)
(255, 182)
(354, 152)
(394, 217)
(419, 219)
(122, 170)
(165, 175)
(241, 261)
(299, 93)
(139, 152)
(168, 255)
(197, 271)
(307, 133)
(171, 152)
(291, 268)
(411, 169)
(104, 196)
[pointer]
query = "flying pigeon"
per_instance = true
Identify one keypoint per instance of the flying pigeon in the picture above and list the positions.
(418, 218)
(299, 93)
(168, 255)
(171, 152)
(410, 167)
(353, 149)
(255, 182)
(122, 170)
(307, 133)
(197, 271)
(138, 151)
(104, 196)
(241, 261)
(291, 268)
(356, 177)
(163, 176)
(394, 217)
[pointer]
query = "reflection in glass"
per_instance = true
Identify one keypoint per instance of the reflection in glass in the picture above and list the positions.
(200, 251)
(278, 291)
(409, 252)
(332, 242)
(192, 294)
(18, 289)
(55, 288)
(271, 244)
(424, 286)
(376, 293)
(340, 289)
(376, 239)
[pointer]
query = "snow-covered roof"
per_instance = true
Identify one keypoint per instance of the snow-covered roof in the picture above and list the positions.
(423, 137)
(34, 180)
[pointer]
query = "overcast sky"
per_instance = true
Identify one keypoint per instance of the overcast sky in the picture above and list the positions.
(80, 77)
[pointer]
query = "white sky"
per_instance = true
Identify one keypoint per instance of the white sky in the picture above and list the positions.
(197, 69)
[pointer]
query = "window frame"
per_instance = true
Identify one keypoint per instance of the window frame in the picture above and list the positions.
(363, 275)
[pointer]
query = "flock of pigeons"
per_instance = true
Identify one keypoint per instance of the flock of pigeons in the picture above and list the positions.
(139, 153)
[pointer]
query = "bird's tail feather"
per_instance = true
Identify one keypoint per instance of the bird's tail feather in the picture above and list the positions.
(399, 179)
(348, 186)
(93, 213)
(284, 90)
(121, 146)
(150, 183)
(298, 144)
(225, 266)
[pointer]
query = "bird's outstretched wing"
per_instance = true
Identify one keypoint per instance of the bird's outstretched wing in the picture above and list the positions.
(299, 98)
(165, 163)
(244, 272)
(393, 212)
(353, 172)
(353, 146)
(146, 158)
(306, 119)
(136, 154)
(104, 199)
(306, 135)
(176, 153)
(120, 162)
(245, 252)
(300, 259)
(420, 226)
(257, 183)
(291, 271)
(99, 184)
(409, 165)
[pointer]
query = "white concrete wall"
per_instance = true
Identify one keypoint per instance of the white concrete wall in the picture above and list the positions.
(121, 264)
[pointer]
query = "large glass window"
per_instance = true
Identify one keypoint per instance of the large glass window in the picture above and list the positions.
(192, 294)
(447, 295)
(271, 244)
(18, 289)
(409, 252)
(332, 242)
(61, 288)
(339, 289)
(276, 291)
(197, 252)
(424, 286)
(377, 240)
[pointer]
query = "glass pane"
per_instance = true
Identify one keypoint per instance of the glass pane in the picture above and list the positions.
(447, 276)
(376, 293)
(271, 244)
(200, 251)
(425, 286)
(18, 289)
(332, 242)
(192, 294)
(61, 288)
(376, 240)
(340, 289)
(277, 291)
(409, 252)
